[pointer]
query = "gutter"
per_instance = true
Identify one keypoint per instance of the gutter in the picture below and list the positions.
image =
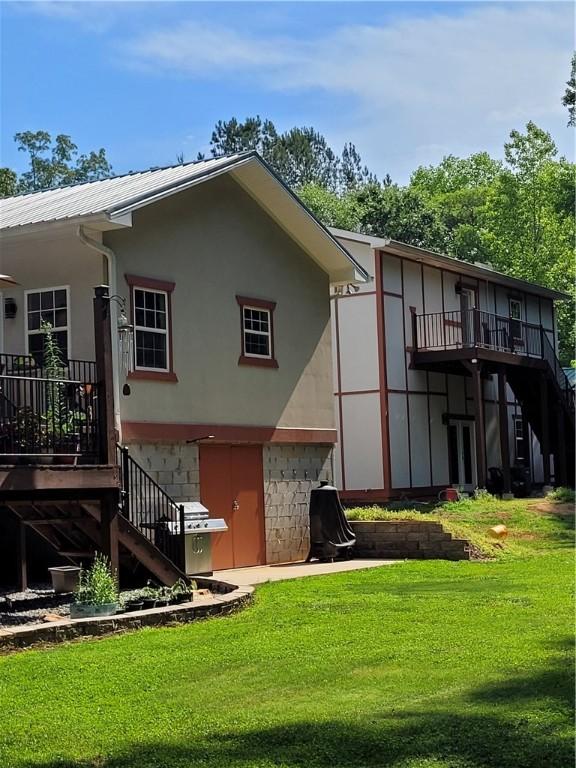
(111, 260)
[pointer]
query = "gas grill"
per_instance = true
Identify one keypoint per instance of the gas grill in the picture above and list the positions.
(198, 530)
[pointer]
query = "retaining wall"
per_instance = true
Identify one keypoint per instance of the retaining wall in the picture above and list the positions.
(408, 539)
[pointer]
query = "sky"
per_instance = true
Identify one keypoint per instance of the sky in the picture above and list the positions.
(407, 83)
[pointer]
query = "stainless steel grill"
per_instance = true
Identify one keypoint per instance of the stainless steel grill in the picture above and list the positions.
(198, 530)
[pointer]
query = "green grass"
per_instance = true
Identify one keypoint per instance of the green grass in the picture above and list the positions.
(531, 530)
(416, 665)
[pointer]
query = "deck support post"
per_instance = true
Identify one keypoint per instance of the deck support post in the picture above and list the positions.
(560, 466)
(545, 442)
(503, 428)
(104, 375)
(475, 368)
(21, 556)
(109, 529)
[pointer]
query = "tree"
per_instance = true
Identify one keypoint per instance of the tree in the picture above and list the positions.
(56, 162)
(8, 182)
(333, 210)
(300, 156)
(569, 98)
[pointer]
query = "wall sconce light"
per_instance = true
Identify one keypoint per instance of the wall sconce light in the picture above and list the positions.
(10, 309)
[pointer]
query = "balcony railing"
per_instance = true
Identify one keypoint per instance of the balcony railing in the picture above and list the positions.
(45, 416)
(473, 328)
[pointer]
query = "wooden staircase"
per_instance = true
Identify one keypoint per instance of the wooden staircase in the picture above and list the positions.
(74, 530)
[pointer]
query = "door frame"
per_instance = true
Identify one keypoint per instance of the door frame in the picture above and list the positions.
(460, 422)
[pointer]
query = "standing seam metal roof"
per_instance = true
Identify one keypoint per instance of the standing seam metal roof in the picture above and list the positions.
(102, 196)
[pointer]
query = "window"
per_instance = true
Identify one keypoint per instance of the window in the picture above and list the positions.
(515, 312)
(151, 329)
(151, 315)
(48, 305)
(257, 332)
(519, 441)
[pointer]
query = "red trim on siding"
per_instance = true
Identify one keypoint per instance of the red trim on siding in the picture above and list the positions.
(139, 375)
(381, 331)
(150, 282)
(149, 431)
(339, 399)
(258, 362)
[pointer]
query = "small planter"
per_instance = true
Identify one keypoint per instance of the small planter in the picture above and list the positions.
(65, 578)
(162, 603)
(183, 597)
(90, 610)
(149, 602)
(134, 605)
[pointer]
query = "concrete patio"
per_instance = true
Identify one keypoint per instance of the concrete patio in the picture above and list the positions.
(278, 572)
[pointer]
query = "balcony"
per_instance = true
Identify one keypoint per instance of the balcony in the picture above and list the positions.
(46, 419)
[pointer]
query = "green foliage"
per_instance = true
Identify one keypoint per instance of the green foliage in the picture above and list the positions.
(333, 210)
(8, 182)
(60, 420)
(98, 585)
(53, 163)
(301, 156)
(562, 494)
(569, 98)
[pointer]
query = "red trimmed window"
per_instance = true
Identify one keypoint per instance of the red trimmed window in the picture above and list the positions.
(257, 330)
(151, 308)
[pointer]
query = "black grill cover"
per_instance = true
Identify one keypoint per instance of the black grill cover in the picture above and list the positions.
(330, 533)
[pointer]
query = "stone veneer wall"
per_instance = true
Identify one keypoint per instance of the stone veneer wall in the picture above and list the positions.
(174, 466)
(290, 473)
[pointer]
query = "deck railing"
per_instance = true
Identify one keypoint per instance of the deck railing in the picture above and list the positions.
(150, 509)
(475, 328)
(562, 380)
(43, 415)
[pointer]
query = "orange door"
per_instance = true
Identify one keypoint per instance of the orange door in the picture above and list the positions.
(231, 486)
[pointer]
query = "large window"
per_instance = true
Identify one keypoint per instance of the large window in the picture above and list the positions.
(257, 332)
(47, 305)
(151, 315)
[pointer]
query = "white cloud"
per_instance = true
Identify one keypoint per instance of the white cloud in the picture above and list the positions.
(416, 88)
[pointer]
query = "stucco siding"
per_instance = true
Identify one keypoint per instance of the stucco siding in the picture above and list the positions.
(215, 243)
(50, 263)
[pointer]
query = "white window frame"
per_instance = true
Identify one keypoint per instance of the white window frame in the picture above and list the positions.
(66, 328)
(165, 331)
(267, 333)
(520, 304)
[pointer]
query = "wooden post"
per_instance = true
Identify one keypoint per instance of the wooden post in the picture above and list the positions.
(109, 529)
(480, 431)
(104, 375)
(545, 442)
(21, 559)
(503, 425)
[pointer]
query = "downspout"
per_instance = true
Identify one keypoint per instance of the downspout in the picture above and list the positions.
(103, 250)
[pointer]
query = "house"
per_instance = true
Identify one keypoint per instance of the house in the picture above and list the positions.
(226, 396)
(444, 372)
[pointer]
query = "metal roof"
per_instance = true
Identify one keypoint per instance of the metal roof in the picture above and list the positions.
(105, 196)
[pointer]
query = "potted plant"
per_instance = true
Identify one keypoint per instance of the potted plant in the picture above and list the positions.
(97, 592)
(163, 597)
(149, 596)
(181, 592)
(61, 421)
(135, 603)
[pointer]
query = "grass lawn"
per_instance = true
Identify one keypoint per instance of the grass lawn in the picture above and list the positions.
(428, 664)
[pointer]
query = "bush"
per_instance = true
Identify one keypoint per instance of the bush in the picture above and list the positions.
(98, 585)
(565, 495)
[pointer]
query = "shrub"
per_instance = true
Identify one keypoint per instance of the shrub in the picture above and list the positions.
(562, 494)
(97, 585)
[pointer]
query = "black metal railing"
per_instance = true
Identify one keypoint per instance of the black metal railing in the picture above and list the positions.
(150, 509)
(476, 328)
(43, 415)
(564, 385)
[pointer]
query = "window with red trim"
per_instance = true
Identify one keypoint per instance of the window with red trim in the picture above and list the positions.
(150, 302)
(257, 332)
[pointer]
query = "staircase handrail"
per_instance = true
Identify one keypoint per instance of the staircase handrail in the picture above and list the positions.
(549, 355)
(150, 508)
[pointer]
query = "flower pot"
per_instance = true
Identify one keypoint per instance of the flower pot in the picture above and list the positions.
(162, 603)
(90, 610)
(65, 578)
(134, 605)
(183, 597)
(149, 602)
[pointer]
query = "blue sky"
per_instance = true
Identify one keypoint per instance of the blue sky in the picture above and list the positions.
(406, 82)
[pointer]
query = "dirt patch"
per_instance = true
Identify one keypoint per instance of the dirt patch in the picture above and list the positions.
(553, 508)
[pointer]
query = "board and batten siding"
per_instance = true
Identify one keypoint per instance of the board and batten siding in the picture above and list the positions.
(388, 414)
